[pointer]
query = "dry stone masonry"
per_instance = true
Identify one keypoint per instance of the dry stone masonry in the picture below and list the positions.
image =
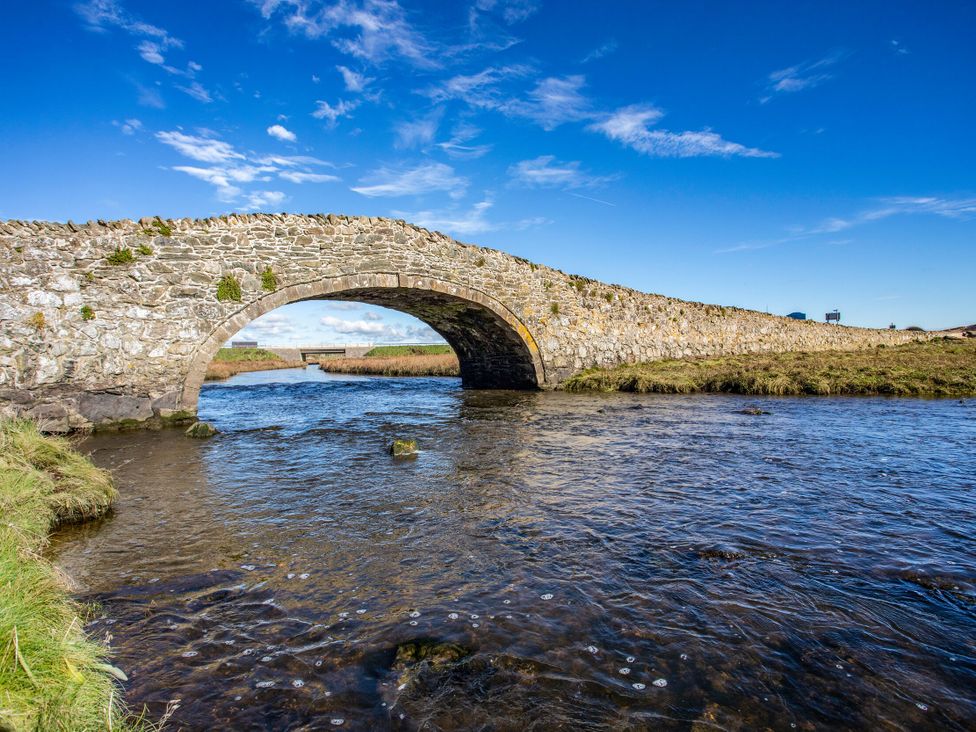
(113, 323)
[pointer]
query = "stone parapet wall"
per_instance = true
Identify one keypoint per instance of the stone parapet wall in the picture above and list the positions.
(84, 341)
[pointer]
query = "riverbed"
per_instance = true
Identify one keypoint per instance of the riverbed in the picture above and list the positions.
(598, 561)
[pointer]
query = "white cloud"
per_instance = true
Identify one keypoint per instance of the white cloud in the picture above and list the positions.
(422, 179)
(629, 126)
(151, 52)
(453, 221)
(457, 146)
(197, 91)
(511, 11)
(281, 133)
(332, 113)
(373, 328)
(477, 90)
(262, 200)
(297, 176)
(354, 81)
(418, 132)
(129, 126)
(547, 172)
(267, 326)
(960, 209)
(370, 30)
(805, 75)
(149, 97)
(100, 15)
(204, 149)
(600, 51)
(552, 102)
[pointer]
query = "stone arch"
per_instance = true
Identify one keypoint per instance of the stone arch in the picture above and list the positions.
(494, 347)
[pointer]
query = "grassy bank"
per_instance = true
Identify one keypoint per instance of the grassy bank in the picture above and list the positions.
(230, 361)
(441, 364)
(51, 676)
(391, 351)
(937, 368)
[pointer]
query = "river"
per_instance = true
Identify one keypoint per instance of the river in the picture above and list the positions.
(598, 561)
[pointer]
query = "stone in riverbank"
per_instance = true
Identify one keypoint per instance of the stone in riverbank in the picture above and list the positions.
(201, 430)
(403, 448)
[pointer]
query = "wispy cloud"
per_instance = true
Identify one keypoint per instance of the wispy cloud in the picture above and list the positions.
(129, 126)
(373, 327)
(458, 145)
(373, 31)
(600, 51)
(228, 169)
(197, 91)
(511, 11)
(334, 112)
(960, 209)
(454, 221)
(631, 127)
(354, 81)
(426, 178)
(282, 133)
(418, 132)
(804, 75)
(547, 172)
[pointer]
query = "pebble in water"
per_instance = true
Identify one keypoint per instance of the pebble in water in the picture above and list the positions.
(343, 615)
(265, 659)
(291, 575)
(506, 602)
(923, 707)
(474, 625)
(630, 659)
(660, 683)
(303, 575)
(684, 656)
(248, 567)
(337, 722)
(264, 684)
(298, 683)
(415, 614)
(413, 622)
(639, 686)
(453, 616)
(318, 664)
(547, 596)
(624, 671)
(189, 654)
(593, 649)
(360, 611)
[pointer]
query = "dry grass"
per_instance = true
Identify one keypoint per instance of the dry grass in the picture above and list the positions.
(937, 368)
(443, 364)
(230, 361)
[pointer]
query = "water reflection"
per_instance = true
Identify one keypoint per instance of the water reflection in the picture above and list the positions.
(556, 561)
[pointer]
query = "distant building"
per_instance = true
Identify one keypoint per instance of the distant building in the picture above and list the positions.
(797, 316)
(243, 344)
(833, 315)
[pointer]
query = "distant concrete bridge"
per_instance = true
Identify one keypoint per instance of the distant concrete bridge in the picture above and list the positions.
(115, 322)
(313, 354)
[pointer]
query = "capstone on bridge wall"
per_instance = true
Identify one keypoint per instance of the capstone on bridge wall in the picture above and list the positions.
(84, 342)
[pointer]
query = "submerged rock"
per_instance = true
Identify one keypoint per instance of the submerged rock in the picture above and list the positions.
(201, 430)
(403, 448)
(753, 410)
(415, 657)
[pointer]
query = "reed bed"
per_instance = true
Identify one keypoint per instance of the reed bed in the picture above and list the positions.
(944, 367)
(442, 364)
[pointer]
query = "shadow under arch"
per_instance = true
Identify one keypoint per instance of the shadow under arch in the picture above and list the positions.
(494, 348)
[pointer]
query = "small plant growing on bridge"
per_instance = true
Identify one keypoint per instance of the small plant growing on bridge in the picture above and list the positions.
(89, 276)
(87, 313)
(554, 308)
(37, 321)
(145, 250)
(229, 289)
(122, 255)
(158, 228)
(269, 281)
(608, 296)
(480, 262)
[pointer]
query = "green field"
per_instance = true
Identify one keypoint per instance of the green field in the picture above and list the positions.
(944, 367)
(391, 351)
(232, 355)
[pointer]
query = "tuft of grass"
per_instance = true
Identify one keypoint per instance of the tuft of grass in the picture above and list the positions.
(89, 276)
(390, 351)
(232, 355)
(122, 255)
(229, 289)
(52, 677)
(608, 296)
(37, 321)
(440, 364)
(937, 368)
(269, 280)
(145, 250)
(87, 313)
(158, 228)
(480, 262)
(554, 308)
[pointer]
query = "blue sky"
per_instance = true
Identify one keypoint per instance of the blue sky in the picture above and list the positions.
(807, 156)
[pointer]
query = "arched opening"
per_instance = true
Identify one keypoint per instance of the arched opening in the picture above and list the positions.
(494, 348)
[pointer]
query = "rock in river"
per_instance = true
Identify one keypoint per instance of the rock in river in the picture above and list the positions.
(201, 429)
(403, 448)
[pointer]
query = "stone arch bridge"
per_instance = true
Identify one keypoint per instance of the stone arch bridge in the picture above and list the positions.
(113, 323)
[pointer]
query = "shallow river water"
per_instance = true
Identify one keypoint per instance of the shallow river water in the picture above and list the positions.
(600, 562)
